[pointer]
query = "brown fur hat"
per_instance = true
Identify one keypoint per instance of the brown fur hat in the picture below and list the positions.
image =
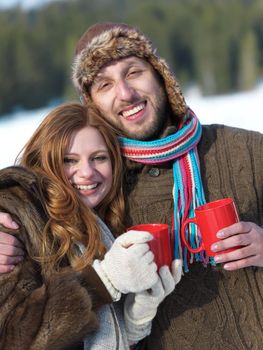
(105, 42)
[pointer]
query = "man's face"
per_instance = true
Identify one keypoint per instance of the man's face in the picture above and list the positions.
(129, 94)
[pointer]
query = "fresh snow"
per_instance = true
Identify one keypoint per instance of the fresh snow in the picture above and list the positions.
(241, 109)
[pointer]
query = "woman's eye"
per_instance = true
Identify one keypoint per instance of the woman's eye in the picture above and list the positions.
(69, 160)
(100, 158)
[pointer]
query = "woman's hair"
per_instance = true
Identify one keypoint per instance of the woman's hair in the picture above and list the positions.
(70, 221)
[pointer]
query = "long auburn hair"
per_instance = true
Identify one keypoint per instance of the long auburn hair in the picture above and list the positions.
(70, 221)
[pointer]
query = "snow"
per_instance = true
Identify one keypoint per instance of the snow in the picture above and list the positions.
(241, 109)
(15, 130)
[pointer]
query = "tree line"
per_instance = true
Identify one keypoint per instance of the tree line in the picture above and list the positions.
(216, 44)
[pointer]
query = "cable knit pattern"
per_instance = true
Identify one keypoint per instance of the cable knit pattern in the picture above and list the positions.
(210, 308)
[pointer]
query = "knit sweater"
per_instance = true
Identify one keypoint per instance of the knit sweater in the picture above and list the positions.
(210, 308)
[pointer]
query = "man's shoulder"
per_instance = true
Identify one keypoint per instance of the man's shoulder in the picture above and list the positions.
(220, 132)
(227, 129)
(217, 137)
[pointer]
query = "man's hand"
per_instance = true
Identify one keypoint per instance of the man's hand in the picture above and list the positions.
(11, 249)
(245, 234)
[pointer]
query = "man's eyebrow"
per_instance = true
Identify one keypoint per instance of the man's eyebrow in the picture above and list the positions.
(99, 78)
(134, 62)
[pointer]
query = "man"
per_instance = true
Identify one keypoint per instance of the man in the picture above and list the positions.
(213, 307)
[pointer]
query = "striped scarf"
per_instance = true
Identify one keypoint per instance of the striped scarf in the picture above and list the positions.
(188, 193)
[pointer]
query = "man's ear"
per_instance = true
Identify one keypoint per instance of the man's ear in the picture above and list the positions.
(83, 98)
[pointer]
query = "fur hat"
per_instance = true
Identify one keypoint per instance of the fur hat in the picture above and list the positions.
(105, 42)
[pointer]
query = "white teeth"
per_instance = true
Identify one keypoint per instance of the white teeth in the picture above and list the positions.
(133, 110)
(86, 187)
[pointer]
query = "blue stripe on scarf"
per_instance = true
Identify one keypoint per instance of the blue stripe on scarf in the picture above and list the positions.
(179, 192)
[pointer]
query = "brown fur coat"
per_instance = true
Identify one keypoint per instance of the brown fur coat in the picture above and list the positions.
(39, 312)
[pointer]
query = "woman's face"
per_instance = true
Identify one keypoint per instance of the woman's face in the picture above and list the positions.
(88, 166)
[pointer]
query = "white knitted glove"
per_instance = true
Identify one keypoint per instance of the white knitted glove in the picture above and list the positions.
(129, 265)
(177, 270)
(141, 308)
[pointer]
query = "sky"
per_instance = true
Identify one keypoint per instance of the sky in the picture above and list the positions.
(239, 109)
(25, 4)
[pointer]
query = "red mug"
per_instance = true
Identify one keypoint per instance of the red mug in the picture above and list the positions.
(210, 218)
(160, 245)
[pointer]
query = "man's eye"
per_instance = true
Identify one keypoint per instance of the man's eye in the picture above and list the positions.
(104, 86)
(134, 73)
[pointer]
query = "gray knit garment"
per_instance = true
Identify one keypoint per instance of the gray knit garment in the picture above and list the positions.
(111, 333)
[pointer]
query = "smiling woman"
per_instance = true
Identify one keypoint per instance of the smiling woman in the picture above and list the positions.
(68, 181)
(64, 147)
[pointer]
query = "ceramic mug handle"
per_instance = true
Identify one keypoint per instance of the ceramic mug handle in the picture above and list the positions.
(185, 224)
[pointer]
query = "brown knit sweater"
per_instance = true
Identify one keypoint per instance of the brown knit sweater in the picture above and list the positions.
(210, 308)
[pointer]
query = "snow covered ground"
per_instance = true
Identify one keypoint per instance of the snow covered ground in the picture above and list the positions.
(243, 109)
(15, 130)
(239, 109)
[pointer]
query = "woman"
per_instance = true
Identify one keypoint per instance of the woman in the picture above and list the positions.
(70, 182)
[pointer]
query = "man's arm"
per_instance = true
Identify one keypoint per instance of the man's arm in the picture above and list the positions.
(247, 233)
(11, 249)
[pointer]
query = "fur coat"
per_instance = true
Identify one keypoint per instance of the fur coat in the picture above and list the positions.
(39, 312)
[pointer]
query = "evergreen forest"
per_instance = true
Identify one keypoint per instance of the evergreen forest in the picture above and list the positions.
(215, 44)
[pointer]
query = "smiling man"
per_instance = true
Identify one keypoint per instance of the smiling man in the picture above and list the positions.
(117, 69)
(110, 70)
(126, 92)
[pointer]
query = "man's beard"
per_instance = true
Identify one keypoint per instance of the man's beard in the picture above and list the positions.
(153, 131)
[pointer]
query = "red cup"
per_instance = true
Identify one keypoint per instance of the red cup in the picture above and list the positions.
(210, 218)
(160, 245)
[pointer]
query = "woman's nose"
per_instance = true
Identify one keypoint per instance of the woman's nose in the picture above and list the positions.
(86, 169)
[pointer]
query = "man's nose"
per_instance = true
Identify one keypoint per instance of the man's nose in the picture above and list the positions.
(125, 91)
